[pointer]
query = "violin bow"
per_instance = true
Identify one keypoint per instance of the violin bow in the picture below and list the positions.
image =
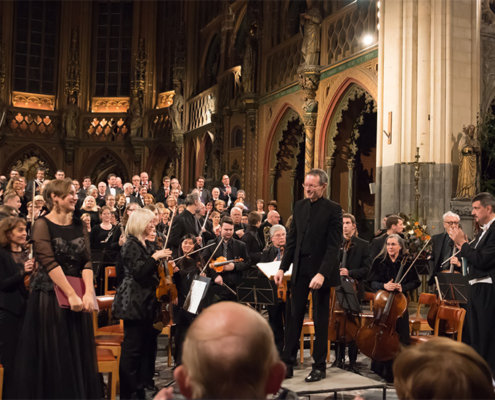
(455, 254)
(34, 195)
(204, 223)
(417, 256)
(192, 252)
(212, 254)
(169, 229)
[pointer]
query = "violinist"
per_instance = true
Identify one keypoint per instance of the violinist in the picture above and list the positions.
(383, 274)
(358, 267)
(231, 249)
(14, 266)
(185, 270)
(481, 263)
(135, 301)
(443, 248)
(276, 312)
(186, 222)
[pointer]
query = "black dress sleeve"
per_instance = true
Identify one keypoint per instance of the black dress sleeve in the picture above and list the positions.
(43, 246)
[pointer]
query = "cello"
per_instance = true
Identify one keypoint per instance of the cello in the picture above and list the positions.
(343, 324)
(379, 340)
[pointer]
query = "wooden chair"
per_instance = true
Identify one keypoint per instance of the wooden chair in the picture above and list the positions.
(308, 328)
(416, 322)
(1, 381)
(105, 303)
(167, 331)
(110, 272)
(107, 363)
(369, 296)
(454, 315)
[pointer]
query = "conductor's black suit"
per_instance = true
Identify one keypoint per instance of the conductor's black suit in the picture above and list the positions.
(313, 246)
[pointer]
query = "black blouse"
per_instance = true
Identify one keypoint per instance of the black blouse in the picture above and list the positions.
(384, 270)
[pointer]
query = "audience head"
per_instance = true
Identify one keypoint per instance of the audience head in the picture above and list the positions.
(140, 223)
(236, 215)
(220, 205)
(272, 205)
(245, 219)
(102, 188)
(110, 200)
(128, 189)
(215, 193)
(254, 219)
(175, 192)
(136, 181)
(181, 208)
(229, 352)
(395, 224)
(241, 195)
(149, 199)
(226, 180)
(483, 208)
(118, 182)
(129, 209)
(14, 174)
(40, 173)
(227, 228)
(86, 218)
(165, 215)
(120, 200)
(171, 202)
(166, 181)
(144, 178)
(111, 179)
(450, 219)
(174, 183)
(273, 217)
(89, 204)
(442, 369)
(215, 218)
(86, 182)
(200, 182)
(105, 214)
(12, 230)
(278, 235)
(349, 225)
(76, 184)
(60, 174)
(143, 190)
(12, 200)
(260, 205)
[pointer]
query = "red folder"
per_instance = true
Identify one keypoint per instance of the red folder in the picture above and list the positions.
(78, 286)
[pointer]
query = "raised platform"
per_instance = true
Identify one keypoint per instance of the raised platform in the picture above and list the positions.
(337, 380)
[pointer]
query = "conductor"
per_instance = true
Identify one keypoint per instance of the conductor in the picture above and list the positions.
(313, 247)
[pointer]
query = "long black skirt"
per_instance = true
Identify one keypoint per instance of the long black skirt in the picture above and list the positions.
(56, 357)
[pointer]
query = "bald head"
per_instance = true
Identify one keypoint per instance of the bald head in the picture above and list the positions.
(273, 217)
(229, 352)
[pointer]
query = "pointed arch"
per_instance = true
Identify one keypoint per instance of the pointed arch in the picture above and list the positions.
(103, 162)
(25, 153)
(204, 149)
(159, 164)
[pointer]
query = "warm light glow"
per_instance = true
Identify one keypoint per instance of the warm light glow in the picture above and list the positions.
(378, 26)
(367, 40)
(378, 4)
(378, 14)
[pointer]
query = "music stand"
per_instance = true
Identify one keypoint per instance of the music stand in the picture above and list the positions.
(347, 297)
(453, 287)
(256, 291)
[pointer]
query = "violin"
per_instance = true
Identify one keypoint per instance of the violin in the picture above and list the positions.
(219, 263)
(343, 325)
(29, 249)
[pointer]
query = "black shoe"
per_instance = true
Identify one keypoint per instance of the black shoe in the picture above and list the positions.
(151, 388)
(289, 372)
(337, 364)
(316, 375)
(352, 367)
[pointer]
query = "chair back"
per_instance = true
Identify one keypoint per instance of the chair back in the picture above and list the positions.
(455, 316)
(427, 299)
(110, 272)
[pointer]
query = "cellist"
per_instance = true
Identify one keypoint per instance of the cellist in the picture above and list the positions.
(358, 267)
(383, 274)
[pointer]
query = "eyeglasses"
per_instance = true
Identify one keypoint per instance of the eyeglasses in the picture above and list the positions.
(452, 223)
(310, 186)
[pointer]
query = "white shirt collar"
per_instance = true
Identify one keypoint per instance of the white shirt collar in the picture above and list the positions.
(485, 227)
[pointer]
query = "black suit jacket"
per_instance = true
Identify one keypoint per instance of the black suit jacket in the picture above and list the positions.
(205, 195)
(182, 224)
(13, 293)
(137, 199)
(100, 200)
(358, 259)
(117, 191)
(29, 189)
(237, 250)
(481, 259)
(253, 243)
(377, 245)
(160, 195)
(224, 197)
(435, 261)
(325, 245)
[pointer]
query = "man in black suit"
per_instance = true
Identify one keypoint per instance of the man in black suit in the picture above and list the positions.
(142, 192)
(231, 249)
(480, 256)
(358, 267)
(227, 193)
(102, 192)
(204, 194)
(40, 177)
(146, 182)
(164, 191)
(185, 223)
(395, 224)
(85, 186)
(129, 193)
(443, 248)
(313, 247)
(112, 185)
(239, 227)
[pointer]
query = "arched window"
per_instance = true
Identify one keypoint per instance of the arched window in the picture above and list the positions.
(36, 37)
(113, 48)
(236, 138)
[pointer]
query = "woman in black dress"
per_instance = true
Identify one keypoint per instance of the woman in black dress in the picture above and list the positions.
(14, 267)
(383, 276)
(135, 301)
(57, 352)
(89, 207)
(101, 235)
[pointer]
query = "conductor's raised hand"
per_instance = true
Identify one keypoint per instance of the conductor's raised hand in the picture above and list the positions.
(317, 281)
(279, 277)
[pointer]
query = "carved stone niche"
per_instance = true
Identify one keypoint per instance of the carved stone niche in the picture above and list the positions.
(463, 208)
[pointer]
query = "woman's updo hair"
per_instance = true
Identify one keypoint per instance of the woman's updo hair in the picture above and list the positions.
(58, 187)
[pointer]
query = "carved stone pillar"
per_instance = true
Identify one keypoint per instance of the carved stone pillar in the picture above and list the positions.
(178, 139)
(329, 166)
(273, 175)
(70, 147)
(138, 147)
(309, 80)
(218, 160)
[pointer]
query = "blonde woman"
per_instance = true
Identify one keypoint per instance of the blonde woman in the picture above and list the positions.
(89, 206)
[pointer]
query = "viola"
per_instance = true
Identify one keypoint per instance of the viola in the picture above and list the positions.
(282, 287)
(343, 325)
(220, 262)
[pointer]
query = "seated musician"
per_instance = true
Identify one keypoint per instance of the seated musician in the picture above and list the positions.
(229, 354)
(276, 313)
(383, 276)
(442, 369)
(443, 248)
(358, 267)
(252, 239)
(230, 249)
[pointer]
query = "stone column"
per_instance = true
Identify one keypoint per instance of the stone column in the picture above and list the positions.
(309, 80)
(251, 102)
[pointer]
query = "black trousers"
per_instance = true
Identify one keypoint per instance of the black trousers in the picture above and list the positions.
(340, 351)
(10, 330)
(139, 340)
(276, 319)
(148, 365)
(321, 305)
(480, 320)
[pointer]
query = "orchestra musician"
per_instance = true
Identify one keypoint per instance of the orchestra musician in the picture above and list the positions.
(135, 301)
(186, 222)
(313, 248)
(443, 248)
(358, 268)
(251, 237)
(277, 312)
(231, 249)
(394, 224)
(383, 276)
(481, 264)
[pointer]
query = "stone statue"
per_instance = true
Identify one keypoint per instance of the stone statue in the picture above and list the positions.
(70, 118)
(136, 112)
(468, 164)
(249, 64)
(310, 27)
(177, 108)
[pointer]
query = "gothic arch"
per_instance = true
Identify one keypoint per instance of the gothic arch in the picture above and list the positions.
(23, 159)
(286, 114)
(159, 164)
(103, 162)
(204, 149)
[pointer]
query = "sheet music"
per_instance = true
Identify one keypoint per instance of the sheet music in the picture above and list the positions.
(195, 296)
(270, 269)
